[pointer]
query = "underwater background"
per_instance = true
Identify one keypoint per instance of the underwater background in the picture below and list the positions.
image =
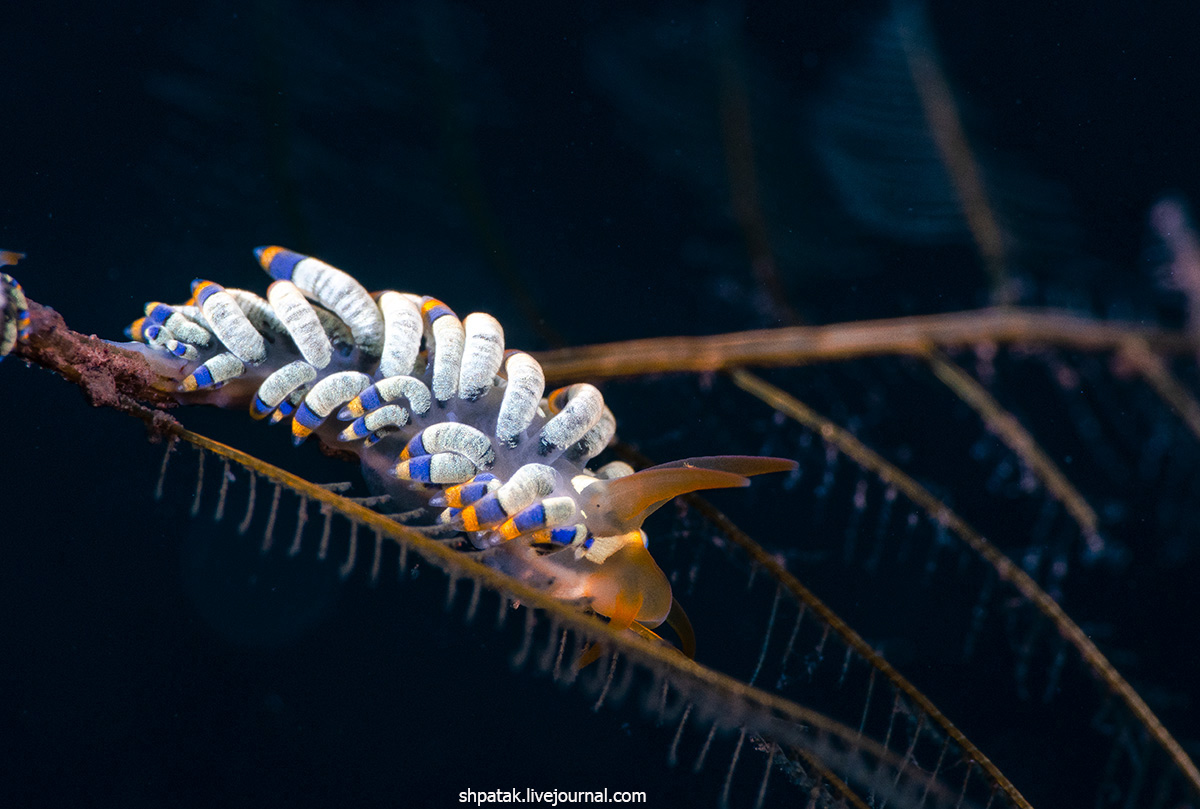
(586, 173)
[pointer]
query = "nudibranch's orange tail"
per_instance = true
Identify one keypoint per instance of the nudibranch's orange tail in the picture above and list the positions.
(621, 505)
(628, 605)
(629, 587)
(677, 619)
(745, 465)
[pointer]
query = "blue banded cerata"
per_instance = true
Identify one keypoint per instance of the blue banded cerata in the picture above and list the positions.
(446, 421)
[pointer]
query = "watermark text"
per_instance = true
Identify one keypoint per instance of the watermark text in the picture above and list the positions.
(549, 797)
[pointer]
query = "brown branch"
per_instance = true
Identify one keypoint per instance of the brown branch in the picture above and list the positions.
(1009, 429)
(1158, 376)
(118, 378)
(109, 375)
(797, 345)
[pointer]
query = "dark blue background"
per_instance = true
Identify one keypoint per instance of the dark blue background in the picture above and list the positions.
(559, 165)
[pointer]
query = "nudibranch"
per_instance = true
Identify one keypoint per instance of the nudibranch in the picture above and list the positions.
(445, 421)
